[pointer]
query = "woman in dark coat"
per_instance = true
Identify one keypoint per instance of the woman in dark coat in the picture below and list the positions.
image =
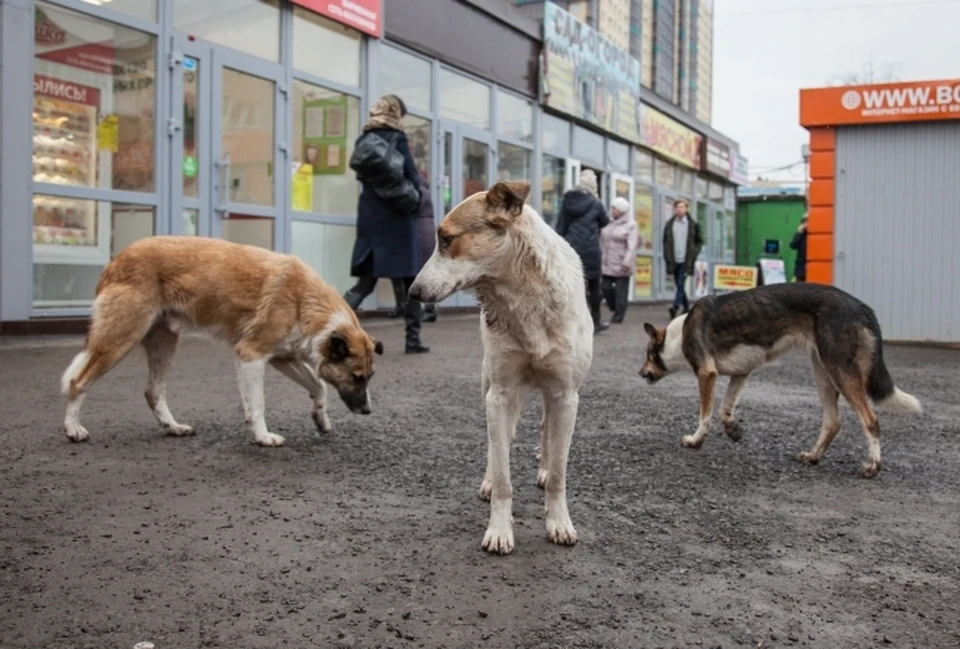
(582, 216)
(387, 244)
(427, 236)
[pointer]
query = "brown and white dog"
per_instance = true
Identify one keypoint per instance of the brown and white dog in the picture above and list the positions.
(735, 334)
(271, 308)
(536, 332)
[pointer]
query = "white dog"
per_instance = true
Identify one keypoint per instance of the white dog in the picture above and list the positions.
(536, 331)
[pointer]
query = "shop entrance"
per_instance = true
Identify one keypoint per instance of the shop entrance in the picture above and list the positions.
(225, 154)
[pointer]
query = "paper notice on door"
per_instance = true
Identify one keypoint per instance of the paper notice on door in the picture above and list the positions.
(302, 188)
(312, 121)
(108, 134)
(333, 155)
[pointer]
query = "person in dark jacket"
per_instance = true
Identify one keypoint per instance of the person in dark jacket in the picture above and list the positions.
(581, 218)
(386, 244)
(682, 242)
(426, 235)
(799, 244)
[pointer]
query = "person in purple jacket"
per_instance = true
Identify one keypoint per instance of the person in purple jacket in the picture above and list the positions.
(426, 235)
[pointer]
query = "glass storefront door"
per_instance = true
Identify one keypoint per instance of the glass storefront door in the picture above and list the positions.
(226, 154)
(467, 165)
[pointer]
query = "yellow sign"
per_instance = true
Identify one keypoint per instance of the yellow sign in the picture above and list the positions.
(734, 278)
(302, 189)
(669, 137)
(108, 134)
(643, 214)
(643, 278)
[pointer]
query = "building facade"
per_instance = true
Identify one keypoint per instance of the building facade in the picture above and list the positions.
(147, 117)
(884, 164)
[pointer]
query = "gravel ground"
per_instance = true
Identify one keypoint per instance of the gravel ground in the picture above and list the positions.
(370, 537)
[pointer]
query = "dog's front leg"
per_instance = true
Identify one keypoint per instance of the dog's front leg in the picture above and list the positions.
(302, 374)
(707, 379)
(561, 418)
(503, 411)
(250, 378)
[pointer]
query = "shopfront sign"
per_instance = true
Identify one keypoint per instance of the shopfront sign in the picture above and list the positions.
(915, 101)
(585, 75)
(739, 169)
(734, 278)
(363, 15)
(53, 42)
(716, 157)
(669, 138)
(65, 91)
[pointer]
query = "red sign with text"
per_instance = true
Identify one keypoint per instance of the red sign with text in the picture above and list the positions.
(363, 15)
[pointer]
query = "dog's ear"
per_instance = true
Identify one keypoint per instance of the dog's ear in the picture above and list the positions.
(377, 347)
(507, 199)
(651, 330)
(337, 348)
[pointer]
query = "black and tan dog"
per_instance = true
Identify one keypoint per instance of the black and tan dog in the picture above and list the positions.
(733, 335)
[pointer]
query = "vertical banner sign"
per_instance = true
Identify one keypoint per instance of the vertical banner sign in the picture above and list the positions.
(585, 75)
(643, 278)
(643, 211)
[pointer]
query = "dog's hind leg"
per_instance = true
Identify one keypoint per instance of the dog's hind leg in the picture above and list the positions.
(503, 405)
(831, 413)
(855, 392)
(728, 408)
(303, 376)
(561, 419)
(707, 380)
(161, 344)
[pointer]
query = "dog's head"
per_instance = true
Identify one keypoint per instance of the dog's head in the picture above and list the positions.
(654, 367)
(346, 363)
(471, 242)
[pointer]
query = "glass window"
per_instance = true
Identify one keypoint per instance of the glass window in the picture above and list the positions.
(418, 135)
(327, 249)
(73, 240)
(144, 9)
(618, 156)
(701, 188)
(643, 166)
(514, 117)
(317, 41)
(93, 102)
(716, 192)
(555, 133)
(325, 126)
(192, 175)
(248, 230)
(587, 145)
(513, 163)
(248, 138)
(464, 100)
(551, 187)
(686, 182)
(730, 237)
(666, 174)
(250, 26)
(406, 76)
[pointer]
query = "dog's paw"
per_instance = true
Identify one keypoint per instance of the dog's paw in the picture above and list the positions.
(270, 439)
(322, 421)
(76, 432)
(178, 430)
(806, 458)
(542, 478)
(561, 531)
(486, 488)
(869, 469)
(732, 429)
(691, 441)
(498, 541)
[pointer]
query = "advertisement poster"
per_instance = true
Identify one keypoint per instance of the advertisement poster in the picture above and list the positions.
(734, 278)
(363, 15)
(669, 137)
(643, 209)
(325, 135)
(585, 75)
(302, 187)
(643, 278)
(774, 271)
(700, 280)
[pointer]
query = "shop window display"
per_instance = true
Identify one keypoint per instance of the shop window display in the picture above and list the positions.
(325, 126)
(551, 186)
(317, 41)
(248, 137)
(418, 137)
(513, 163)
(71, 248)
(666, 174)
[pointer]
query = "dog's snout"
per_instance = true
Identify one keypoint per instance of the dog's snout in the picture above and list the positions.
(365, 409)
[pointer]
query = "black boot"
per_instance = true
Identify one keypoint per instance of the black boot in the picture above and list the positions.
(400, 295)
(412, 320)
(353, 299)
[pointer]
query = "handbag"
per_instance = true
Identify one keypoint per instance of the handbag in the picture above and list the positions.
(377, 162)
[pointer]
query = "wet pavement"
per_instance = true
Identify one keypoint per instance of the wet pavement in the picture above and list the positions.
(370, 537)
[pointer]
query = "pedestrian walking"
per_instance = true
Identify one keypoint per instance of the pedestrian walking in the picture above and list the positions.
(581, 218)
(427, 236)
(386, 244)
(682, 242)
(618, 246)
(799, 243)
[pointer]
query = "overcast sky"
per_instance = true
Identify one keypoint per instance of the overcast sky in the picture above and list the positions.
(766, 50)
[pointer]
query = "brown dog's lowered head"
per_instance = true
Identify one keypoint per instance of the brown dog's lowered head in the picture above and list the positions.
(664, 350)
(347, 364)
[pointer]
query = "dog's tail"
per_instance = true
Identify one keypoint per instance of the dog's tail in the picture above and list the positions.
(79, 362)
(882, 391)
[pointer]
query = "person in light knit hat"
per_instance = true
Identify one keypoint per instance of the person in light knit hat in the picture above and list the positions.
(582, 216)
(618, 245)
